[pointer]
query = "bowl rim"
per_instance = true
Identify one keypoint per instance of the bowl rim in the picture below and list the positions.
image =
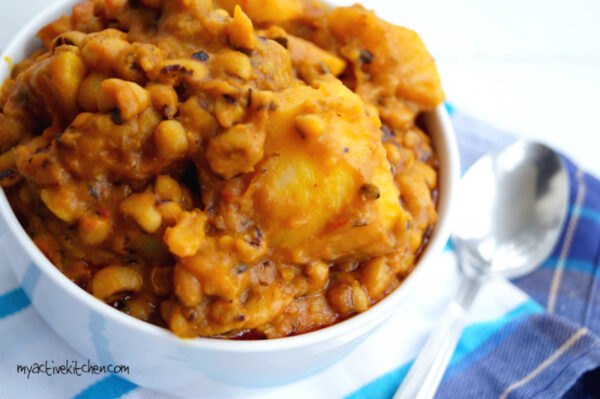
(25, 39)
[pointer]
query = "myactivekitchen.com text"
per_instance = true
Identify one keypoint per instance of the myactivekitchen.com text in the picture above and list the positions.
(52, 368)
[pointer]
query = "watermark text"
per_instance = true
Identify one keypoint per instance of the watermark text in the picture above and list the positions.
(52, 368)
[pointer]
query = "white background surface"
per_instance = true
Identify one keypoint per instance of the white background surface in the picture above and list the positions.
(531, 67)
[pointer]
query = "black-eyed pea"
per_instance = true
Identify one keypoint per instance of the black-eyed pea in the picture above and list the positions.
(141, 306)
(264, 99)
(170, 140)
(407, 158)
(195, 116)
(187, 287)
(104, 34)
(147, 122)
(248, 251)
(427, 172)
(376, 276)
(167, 188)
(179, 324)
(226, 242)
(113, 279)
(139, 63)
(241, 31)
(369, 192)
(236, 150)
(271, 12)
(127, 67)
(175, 71)
(348, 298)
(171, 212)
(318, 272)
(185, 238)
(128, 97)
(164, 99)
(310, 126)
(227, 313)
(235, 63)
(276, 33)
(340, 297)
(360, 300)
(89, 91)
(93, 230)
(102, 53)
(411, 138)
(221, 13)
(228, 111)
(401, 229)
(287, 272)
(217, 22)
(68, 49)
(142, 208)
(62, 202)
(161, 280)
(393, 153)
(166, 308)
(416, 195)
(71, 38)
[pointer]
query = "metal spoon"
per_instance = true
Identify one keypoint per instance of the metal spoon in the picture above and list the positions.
(510, 213)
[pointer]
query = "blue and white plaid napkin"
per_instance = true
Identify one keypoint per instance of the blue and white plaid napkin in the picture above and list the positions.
(536, 337)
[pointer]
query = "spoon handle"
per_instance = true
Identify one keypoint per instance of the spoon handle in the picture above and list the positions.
(426, 373)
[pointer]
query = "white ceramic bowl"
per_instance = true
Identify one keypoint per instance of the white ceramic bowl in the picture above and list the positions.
(199, 367)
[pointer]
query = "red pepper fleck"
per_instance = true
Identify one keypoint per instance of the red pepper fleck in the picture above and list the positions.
(227, 196)
(103, 211)
(339, 223)
(109, 2)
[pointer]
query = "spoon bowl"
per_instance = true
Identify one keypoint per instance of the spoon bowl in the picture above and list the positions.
(510, 210)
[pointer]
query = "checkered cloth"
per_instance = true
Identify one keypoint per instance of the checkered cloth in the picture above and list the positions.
(536, 337)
